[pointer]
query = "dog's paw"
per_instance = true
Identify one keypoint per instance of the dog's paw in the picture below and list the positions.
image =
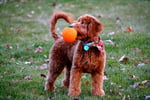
(102, 93)
(49, 88)
(98, 93)
(65, 84)
(74, 92)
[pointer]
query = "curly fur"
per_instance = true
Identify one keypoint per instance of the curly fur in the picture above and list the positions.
(74, 58)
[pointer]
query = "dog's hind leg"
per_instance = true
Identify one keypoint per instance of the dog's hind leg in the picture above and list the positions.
(67, 77)
(54, 71)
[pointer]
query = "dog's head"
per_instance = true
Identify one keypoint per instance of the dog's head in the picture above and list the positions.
(88, 28)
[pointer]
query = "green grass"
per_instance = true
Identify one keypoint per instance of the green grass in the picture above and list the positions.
(25, 26)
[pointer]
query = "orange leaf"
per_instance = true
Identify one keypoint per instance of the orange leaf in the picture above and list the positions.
(129, 29)
(86, 83)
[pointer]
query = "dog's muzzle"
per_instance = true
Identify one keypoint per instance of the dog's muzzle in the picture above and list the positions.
(72, 25)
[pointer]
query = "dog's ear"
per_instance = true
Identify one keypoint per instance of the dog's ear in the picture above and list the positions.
(94, 26)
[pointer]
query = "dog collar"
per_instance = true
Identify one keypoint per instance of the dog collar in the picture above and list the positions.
(98, 44)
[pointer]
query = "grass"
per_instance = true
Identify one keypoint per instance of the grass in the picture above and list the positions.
(25, 26)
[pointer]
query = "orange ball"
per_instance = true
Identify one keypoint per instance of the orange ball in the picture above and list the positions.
(69, 34)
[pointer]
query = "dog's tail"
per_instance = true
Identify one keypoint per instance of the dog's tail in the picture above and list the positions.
(59, 15)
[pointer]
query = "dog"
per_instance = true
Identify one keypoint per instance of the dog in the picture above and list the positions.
(85, 55)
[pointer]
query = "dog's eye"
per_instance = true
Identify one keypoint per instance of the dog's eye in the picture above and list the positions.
(82, 22)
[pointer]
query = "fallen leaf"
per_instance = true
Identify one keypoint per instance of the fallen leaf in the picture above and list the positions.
(136, 63)
(119, 93)
(147, 97)
(132, 76)
(135, 85)
(112, 83)
(109, 42)
(39, 49)
(118, 21)
(42, 67)
(121, 90)
(27, 77)
(140, 65)
(111, 90)
(129, 29)
(43, 75)
(86, 83)
(29, 15)
(141, 87)
(47, 61)
(144, 82)
(105, 77)
(9, 46)
(146, 61)
(5, 72)
(16, 63)
(141, 84)
(111, 34)
(14, 82)
(27, 63)
(123, 59)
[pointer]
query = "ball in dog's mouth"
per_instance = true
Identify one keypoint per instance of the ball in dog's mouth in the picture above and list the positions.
(69, 34)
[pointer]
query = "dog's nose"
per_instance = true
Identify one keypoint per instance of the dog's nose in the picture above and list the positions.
(70, 26)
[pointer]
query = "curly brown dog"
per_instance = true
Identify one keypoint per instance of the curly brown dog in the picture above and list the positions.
(85, 55)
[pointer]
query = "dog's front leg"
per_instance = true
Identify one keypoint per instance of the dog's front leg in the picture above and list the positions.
(97, 84)
(75, 79)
